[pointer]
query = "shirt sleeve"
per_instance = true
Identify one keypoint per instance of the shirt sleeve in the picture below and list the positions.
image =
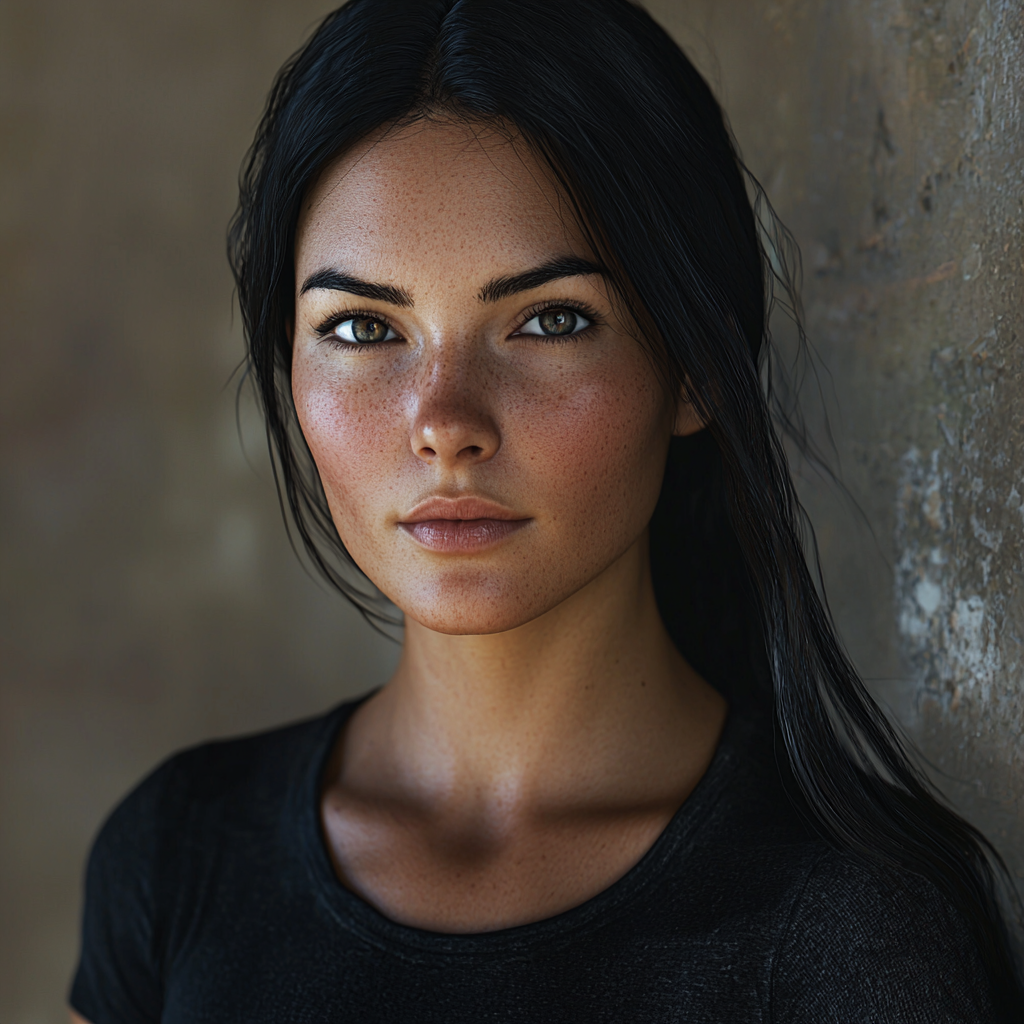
(890, 950)
(118, 980)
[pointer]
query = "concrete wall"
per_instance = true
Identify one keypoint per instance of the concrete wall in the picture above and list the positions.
(889, 135)
(149, 597)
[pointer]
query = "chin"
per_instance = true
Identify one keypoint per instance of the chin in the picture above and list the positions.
(474, 607)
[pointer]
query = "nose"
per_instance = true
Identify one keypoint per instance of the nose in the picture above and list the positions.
(453, 427)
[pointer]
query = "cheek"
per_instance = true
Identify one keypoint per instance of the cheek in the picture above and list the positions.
(353, 432)
(596, 450)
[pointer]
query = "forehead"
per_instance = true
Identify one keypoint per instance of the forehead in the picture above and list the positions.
(465, 192)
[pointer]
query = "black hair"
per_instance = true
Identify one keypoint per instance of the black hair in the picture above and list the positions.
(646, 163)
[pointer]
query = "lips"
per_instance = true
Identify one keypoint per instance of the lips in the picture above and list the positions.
(461, 525)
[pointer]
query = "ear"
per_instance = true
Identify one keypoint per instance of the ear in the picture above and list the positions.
(687, 419)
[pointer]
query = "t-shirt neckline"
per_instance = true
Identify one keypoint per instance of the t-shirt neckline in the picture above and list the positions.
(356, 915)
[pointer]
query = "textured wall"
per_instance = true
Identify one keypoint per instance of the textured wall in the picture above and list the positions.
(889, 135)
(149, 598)
(916, 245)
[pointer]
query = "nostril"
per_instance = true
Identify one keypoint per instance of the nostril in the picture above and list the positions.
(427, 453)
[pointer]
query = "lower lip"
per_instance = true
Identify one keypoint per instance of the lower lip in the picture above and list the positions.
(454, 536)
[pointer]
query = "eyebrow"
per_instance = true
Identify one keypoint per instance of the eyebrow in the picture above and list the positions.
(336, 281)
(494, 291)
(553, 270)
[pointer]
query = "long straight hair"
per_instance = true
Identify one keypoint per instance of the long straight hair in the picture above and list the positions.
(640, 149)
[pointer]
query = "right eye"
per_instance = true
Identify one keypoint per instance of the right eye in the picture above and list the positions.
(364, 330)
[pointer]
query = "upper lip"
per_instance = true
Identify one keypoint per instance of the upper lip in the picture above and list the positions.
(459, 508)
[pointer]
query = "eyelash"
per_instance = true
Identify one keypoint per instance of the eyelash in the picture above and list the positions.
(326, 329)
(576, 307)
(328, 326)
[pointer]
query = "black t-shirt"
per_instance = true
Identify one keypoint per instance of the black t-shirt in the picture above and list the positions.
(210, 897)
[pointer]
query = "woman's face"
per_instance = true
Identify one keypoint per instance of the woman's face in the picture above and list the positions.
(489, 435)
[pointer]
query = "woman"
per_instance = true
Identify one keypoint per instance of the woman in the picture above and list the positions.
(506, 304)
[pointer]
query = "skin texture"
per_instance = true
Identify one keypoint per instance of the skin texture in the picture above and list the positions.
(541, 729)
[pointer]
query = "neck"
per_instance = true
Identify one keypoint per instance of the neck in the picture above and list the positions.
(574, 698)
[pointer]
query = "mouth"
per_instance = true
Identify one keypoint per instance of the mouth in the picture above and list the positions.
(461, 525)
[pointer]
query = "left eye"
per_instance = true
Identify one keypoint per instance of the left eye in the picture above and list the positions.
(555, 322)
(363, 330)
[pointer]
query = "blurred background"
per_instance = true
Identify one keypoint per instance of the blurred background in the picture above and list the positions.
(149, 596)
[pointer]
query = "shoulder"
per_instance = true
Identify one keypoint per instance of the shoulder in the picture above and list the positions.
(863, 943)
(158, 851)
(216, 781)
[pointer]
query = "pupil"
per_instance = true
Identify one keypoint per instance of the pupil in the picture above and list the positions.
(368, 330)
(558, 321)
